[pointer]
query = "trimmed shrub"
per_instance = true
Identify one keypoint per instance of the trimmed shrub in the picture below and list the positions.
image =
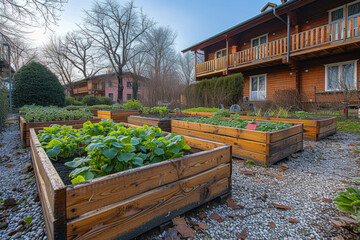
(69, 101)
(212, 92)
(35, 84)
(78, 103)
(132, 105)
(4, 106)
(90, 100)
(105, 101)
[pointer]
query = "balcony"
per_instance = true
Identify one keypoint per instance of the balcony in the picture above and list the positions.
(307, 42)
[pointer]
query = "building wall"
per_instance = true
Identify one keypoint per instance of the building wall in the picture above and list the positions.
(311, 74)
(310, 16)
(109, 85)
(277, 78)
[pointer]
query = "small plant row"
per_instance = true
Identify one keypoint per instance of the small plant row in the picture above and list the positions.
(104, 148)
(236, 122)
(48, 114)
(279, 112)
(201, 109)
(155, 110)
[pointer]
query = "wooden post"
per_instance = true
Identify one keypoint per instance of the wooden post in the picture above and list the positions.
(346, 22)
(195, 64)
(227, 55)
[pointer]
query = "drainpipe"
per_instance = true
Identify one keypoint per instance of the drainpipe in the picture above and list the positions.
(275, 14)
(288, 39)
(288, 32)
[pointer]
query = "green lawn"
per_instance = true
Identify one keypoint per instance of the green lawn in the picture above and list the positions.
(349, 127)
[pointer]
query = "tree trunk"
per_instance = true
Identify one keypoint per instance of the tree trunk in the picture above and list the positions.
(71, 91)
(135, 88)
(347, 111)
(120, 85)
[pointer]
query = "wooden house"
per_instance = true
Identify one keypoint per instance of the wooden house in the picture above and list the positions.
(311, 46)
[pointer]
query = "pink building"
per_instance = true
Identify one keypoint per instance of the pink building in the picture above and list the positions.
(107, 85)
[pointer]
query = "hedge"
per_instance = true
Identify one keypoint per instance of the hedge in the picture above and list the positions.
(4, 106)
(213, 92)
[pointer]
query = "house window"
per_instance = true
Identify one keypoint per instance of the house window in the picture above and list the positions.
(128, 84)
(111, 96)
(340, 76)
(259, 40)
(94, 85)
(258, 88)
(128, 96)
(353, 13)
(138, 84)
(110, 84)
(221, 53)
(336, 19)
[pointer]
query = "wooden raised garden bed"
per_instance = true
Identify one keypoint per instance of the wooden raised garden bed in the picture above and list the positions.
(313, 129)
(264, 148)
(202, 114)
(25, 127)
(92, 110)
(163, 123)
(117, 115)
(126, 204)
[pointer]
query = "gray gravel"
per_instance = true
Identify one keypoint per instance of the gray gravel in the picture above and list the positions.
(312, 175)
(17, 185)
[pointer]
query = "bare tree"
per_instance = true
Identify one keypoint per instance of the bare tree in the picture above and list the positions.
(54, 57)
(21, 53)
(116, 29)
(16, 16)
(162, 65)
(187, 68)
(82, 54)
(137, 68)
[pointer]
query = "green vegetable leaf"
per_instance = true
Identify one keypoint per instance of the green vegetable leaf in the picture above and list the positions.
(159, 151)
(78, 179)
(28, 220)
(125, 156)
(54, 151)
(110, 153)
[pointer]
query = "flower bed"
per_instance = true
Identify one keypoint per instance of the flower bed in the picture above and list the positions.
(128, 203)
(117, 115)
(264, 148)
(313, 129)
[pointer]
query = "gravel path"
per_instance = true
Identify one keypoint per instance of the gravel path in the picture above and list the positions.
(305, 188)
(19, 186)
(312, 179)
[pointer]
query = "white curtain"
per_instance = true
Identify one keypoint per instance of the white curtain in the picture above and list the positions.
(347, 76)
(333, 75)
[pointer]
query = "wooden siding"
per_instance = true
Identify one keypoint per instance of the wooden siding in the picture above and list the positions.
(277, 78)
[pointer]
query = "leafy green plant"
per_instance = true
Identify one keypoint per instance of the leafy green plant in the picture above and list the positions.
(282, 112)
(259, 112)
(237, 122)
(105, 147)
(132, 105)
(201, 109)
(302, 114)
(349, 200)
(221, 113)
(28, 220)
(47, 114)
(162, 111)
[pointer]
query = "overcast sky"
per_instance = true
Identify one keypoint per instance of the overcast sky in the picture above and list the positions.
(192, 20)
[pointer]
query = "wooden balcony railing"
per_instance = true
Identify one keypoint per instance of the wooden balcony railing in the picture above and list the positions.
(212, 65)
(270, 49)
(329, 33)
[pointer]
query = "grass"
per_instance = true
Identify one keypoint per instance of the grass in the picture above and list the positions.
(349, 127)
(202, 109)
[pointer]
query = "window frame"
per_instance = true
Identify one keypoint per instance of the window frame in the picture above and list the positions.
(339, 64)
(127, 84)
(258, 37)
(250, 83)
(220, 51)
